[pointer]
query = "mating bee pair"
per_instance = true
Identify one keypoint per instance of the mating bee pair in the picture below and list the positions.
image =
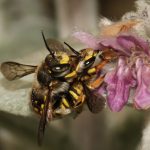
(65, 81)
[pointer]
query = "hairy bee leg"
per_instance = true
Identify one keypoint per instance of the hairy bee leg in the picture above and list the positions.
(77, 112)
(61, 106)
(101, 65)
(108, 54)
(97, 68)
(96, 83)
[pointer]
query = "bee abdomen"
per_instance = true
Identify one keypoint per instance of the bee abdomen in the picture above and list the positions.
(38, 101)
(61, 89)
(77, 95)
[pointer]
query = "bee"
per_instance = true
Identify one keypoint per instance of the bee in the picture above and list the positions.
(91, 72)
(54, 78)
(64, 82)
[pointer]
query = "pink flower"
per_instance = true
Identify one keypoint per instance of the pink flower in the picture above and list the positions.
(132, 70)
(130, 42)
(87, 39)
(119, 83)
(121, 43)
(142, 93)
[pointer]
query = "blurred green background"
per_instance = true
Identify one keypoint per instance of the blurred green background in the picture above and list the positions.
(21, 22)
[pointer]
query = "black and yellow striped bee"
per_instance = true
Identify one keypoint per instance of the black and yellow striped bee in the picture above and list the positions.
(65, 80)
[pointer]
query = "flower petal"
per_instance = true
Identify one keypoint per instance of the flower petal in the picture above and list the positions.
(110, 42)
(125, 43)
(87, 39)
(128, 42)
(119, 83)
(142, 93)
(97, 43)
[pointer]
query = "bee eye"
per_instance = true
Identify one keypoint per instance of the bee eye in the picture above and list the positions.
(89, 62)
(57, 67)
(60, 68)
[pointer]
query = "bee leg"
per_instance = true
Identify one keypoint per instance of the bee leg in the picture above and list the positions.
(96, 69)
(61, 106)
(97, 83)
(77, 112)
(101, 65)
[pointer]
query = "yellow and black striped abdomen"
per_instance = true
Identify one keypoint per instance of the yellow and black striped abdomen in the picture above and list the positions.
(63, 103)
(77, 94)
(71, 100)
(38, 99)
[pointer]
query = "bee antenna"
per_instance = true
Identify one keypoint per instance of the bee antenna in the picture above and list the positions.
(72, 49)
(51, 52)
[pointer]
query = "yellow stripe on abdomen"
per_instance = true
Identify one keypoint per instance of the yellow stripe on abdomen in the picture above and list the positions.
(78, 90)
(75, 96)
(64, 101)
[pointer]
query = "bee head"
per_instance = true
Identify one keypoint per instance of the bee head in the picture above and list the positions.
(60, 66)
(88, 58)
(59, 62)
(60, 58)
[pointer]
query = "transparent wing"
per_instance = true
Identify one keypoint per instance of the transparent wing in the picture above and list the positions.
(55, 45)
(13, 70)
(94, 101)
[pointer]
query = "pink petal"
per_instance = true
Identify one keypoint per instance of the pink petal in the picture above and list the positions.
(97, 43)
(142, 93)
(119, 83)
(110, 42)
(125, 43)
(87, 39)
(128, 42)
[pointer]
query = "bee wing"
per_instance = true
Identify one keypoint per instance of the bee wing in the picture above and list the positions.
(13, 70)
(94, 101)
(55, 45)
(43, 121)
